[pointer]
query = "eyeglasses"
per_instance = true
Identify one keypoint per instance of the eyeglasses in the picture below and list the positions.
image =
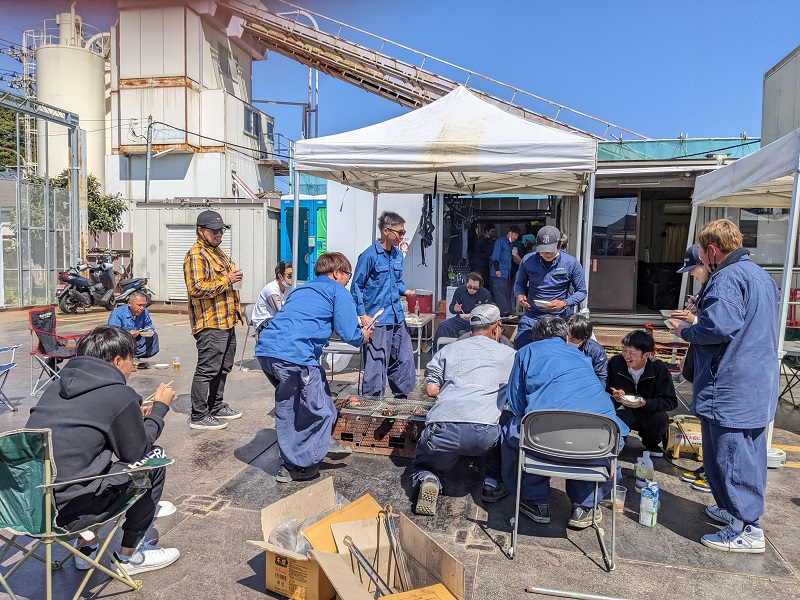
(348, 273)
(475, 289)
(400, 232)
(215, 231)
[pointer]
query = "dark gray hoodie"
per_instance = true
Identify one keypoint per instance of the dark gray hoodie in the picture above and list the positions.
(96, 419)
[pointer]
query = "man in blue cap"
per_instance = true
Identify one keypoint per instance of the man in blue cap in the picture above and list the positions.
(549, 282)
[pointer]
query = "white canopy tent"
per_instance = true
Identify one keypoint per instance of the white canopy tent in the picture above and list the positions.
(768, 178)
(459, 144)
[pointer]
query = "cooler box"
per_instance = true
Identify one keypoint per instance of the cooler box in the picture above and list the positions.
(423, 298)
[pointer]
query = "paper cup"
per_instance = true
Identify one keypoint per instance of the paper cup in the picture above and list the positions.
(238, 285)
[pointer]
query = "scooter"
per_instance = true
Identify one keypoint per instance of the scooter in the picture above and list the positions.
(129, 286)
(75, 290)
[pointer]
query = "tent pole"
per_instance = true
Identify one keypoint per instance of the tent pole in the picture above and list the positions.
(295, 221)
(375, 213)
(689, 242)
(586, 240)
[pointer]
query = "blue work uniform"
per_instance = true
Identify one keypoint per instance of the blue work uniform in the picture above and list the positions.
(288, 350)
(377, 283)
(456, 325)
(501, 287)
(597, 354)
(561, 279)
(549, 374)
(145, 346)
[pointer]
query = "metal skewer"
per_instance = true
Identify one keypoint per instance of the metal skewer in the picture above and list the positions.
(381, 588)
(397, 551)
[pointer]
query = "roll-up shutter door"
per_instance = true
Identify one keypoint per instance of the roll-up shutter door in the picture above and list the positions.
(180, 239)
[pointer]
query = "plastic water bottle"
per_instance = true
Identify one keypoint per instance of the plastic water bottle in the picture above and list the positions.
(644, 471)
(648, 505)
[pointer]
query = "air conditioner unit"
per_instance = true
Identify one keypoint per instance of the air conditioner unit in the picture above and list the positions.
(677, 208)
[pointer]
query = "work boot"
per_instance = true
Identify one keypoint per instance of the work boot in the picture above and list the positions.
(427, 497)
(289, 474)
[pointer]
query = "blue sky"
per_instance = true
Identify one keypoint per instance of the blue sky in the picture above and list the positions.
(661, 68)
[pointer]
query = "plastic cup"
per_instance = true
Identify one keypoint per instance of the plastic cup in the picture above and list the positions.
(622, 491)
(238, 285)
(176, 363)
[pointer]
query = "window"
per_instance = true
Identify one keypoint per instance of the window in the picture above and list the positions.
(228, 65)
(764, 233)
(252, 122)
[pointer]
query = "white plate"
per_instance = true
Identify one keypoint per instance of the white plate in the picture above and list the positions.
(668, 313)
(161, 366)
(669, 325)
(541, 303)
(631, 400)
(147, 333)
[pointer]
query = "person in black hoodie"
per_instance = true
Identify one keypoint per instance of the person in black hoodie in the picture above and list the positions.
(636, 372)
(99, 426)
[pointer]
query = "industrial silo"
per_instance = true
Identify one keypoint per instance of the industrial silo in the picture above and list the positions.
(71, 74)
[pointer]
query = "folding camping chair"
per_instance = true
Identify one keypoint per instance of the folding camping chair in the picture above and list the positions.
(563, 442)
(5, 369)
(27, 508)
(51, 348)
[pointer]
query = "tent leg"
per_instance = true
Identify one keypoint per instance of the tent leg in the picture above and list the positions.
(376, 233)
(585, 236)
(295, 224)
(689, 242)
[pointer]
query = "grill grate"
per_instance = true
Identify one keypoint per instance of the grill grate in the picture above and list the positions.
(371, 406)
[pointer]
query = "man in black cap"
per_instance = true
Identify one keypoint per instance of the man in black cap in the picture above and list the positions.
(549, 282)
(211, 279)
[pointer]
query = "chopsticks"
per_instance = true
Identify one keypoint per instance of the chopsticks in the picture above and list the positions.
(153, 395)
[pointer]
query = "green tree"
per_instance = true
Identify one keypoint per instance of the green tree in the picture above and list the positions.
(8, 137)
(105, 210)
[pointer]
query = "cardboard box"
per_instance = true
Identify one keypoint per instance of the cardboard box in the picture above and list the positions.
(294, 575)
(435, 574)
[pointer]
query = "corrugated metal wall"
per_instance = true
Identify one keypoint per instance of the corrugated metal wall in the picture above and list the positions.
(252, 243)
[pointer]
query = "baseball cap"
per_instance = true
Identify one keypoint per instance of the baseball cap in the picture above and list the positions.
(529, 238)
(484, 314)
(211, 219)
(547, 239)
(691, 259)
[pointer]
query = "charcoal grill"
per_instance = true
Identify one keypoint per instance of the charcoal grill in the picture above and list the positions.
(386, 426)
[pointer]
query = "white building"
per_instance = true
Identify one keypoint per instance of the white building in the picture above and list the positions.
(187, 64)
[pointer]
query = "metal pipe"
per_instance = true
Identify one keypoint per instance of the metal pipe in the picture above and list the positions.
(148, 158)
(381, 587)
(586, 240)
(19, 227)
(565, 594)
(48, 263)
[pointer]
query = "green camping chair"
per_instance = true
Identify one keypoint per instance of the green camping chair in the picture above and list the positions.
(27, 508)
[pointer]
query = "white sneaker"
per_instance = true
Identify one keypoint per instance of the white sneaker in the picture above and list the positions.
(81, 564)
(720, 515)
(750, 540)
(148, 557)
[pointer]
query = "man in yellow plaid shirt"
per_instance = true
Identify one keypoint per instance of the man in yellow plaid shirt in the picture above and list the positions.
(211, 279)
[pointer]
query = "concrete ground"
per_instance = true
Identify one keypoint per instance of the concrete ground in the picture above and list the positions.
(221, 479)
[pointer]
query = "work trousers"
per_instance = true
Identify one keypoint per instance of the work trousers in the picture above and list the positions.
(735, 461)
(452, 327)
(92, 509)
(304, 411)
(441, 445)
(389, 354)
(536, 488)
(216, 349)
(651, 426)
(501, 292)
(146, 347)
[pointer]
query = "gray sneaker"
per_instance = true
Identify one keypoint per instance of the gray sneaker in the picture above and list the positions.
(581, 518)
(227, 413)
(719, 514)
(337, 451)
(207, 422)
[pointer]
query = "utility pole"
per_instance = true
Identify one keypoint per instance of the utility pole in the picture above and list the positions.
(148, 158)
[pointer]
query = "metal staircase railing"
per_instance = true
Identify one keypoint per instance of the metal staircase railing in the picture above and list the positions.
(408, 84)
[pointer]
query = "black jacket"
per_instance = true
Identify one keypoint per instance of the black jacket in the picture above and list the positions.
(655, 384)
(94, 417)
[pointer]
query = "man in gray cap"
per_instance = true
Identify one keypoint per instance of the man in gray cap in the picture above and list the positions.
(211, 279)
(549, 282)
(468, 378)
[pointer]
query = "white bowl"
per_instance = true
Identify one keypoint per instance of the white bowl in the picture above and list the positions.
(148, 333)
(668, 313)
(161, 366)
(542, 303)
(631, 399)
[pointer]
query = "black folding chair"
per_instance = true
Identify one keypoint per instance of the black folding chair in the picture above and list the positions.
(564, 443)
(50, 348)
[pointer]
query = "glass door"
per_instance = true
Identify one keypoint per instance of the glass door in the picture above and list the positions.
(612, 283)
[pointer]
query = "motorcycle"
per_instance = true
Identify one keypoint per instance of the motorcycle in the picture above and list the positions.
(75, 290)
(131, 285)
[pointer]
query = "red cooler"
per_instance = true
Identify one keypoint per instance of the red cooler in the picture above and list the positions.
(423, 298)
